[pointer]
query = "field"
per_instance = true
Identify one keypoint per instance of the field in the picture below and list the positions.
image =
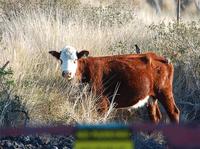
(32, 91)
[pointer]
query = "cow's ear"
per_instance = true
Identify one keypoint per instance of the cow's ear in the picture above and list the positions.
(83, 53)
(55, 54)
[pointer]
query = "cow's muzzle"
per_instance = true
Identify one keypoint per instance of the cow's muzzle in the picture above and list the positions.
(67, 75)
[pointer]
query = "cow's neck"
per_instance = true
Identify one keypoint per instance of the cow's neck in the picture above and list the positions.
(82, 72)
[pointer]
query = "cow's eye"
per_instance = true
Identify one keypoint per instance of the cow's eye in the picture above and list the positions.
(61, 62)
(74, 62)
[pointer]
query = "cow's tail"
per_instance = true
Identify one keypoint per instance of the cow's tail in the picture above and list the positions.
(171, 73)
(166, 61)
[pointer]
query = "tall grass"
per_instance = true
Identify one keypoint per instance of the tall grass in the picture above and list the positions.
(49, 99)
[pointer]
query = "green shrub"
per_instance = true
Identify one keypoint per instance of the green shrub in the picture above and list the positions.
(180, 42)
(12, 112)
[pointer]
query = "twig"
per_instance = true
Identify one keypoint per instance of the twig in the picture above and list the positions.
(5, 65)
(26, 115)
(3, 112)
(188, 103)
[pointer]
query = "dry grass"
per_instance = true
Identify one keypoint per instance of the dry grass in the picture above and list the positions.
(49, 99)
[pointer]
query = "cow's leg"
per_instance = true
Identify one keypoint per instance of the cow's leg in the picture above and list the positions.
(103, 105)
(167, 100)
(154, 111)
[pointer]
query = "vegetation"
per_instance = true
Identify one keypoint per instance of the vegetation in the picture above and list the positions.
(12, 112)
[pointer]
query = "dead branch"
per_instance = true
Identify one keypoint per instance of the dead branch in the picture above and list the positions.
(189, 103)
(26, 115)
(5, 65)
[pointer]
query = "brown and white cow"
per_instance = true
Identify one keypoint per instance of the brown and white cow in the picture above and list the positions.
(140, 76)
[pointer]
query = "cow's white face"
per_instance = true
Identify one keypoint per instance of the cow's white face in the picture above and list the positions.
(69, 60)
(68, 57)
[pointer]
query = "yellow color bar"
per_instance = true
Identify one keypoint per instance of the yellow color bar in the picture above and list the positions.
(126, 144)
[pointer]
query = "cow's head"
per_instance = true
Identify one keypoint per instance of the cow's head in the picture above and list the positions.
(68, 57)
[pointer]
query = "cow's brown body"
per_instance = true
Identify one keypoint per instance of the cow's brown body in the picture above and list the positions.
(138, 76)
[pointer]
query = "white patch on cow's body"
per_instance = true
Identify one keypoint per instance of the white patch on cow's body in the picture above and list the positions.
(151, 100)
(140, 103)
(69, 61)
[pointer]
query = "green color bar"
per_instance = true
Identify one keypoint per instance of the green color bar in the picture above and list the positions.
(103, 134)
(126, 144)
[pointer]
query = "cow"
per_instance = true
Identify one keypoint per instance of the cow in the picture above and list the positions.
(142, 78)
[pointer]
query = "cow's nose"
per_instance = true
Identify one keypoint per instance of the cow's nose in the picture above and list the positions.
(66, 74)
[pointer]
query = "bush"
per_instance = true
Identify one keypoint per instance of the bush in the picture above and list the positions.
(12, 112)
(180, 42)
